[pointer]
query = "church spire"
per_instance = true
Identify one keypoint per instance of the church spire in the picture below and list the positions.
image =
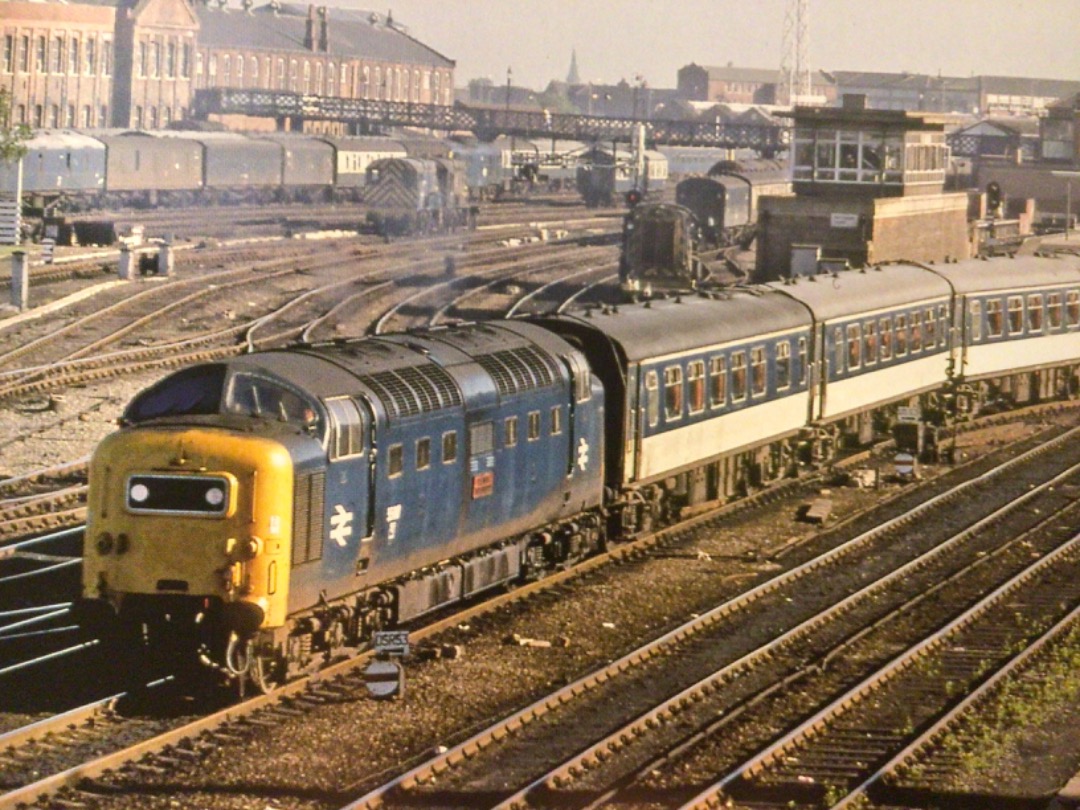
(573, 77)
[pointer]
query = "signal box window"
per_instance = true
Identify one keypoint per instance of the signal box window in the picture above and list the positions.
(673, 393)
(738, 376)
(396, 460)
(423, 453)
(718, 382)
(449, 447)
(695, 385)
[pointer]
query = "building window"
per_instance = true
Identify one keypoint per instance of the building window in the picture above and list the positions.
(103, 116)
(153, 118)
(24, 54)
(319, 79)
(140, 62)
(198, 64)
(54, 116)
(91, 56)
(170, 60)
(57, 63)
(212, 71)
(254, 71)
(281, 74)
(185, 61)
(239, 70)
(166, 117)
(155, 60)
(378, 83)
(138, 122)
(106, 57)
(69, 116)
(226, 69)
(39, 55)
(87, 119)
(39, 116)
(73, 57)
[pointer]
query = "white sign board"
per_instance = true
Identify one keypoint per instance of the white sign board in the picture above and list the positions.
(844, 220)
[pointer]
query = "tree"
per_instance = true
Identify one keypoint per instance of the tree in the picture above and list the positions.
(13, 137)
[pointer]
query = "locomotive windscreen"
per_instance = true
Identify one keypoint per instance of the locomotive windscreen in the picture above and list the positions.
(194, 391)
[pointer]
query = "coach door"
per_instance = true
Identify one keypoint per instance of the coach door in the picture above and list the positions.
(349, 488)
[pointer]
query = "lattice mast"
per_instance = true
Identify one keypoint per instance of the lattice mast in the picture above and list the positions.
(794, 64)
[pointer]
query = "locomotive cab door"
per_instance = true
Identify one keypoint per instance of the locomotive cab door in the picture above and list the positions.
(349, 487)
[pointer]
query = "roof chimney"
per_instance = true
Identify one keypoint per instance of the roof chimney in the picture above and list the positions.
(324, 34)
(309, 29)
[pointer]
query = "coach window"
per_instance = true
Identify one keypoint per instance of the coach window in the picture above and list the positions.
(758, 370)
(854, 346)
(534, 425)
(901, 335)
(695, 386)
(1016, 314)
(916, 332)
(1072, 307)
(1035, 313)
(804, 365)
(995, 323)
(346, 434)
(652, 398)
(718, 382)
(449, 447)
(870, 347)
(783, 364)
(885, 336)
(673, 393)
(975, 320)
(1053, 310)
(510, 431)
(423, 453)
(930, 329)
(395, 460)
(738, 376)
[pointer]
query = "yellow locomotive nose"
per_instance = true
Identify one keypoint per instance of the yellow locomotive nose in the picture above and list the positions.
(166, 520)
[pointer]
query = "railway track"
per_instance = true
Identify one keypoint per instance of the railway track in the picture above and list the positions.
(328, 695)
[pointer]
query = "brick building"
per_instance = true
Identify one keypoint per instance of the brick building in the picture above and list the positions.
(737, 85)
(138, 63)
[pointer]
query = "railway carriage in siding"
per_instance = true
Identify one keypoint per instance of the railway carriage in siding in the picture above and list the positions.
(353, 155)
(307, 166)
(144, 170)
(57, 164)
(271, 511)
(235, 168)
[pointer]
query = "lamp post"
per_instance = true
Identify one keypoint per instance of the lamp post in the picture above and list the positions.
(509, 75)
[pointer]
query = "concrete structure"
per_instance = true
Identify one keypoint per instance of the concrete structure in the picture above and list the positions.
(869, 187)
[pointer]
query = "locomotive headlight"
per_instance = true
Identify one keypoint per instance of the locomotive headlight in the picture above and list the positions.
(139, 493)
(215, 496)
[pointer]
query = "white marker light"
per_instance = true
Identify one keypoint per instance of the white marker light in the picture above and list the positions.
(139, 493)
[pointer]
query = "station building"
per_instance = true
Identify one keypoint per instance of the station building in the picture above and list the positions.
(869, 188)
(138, 63)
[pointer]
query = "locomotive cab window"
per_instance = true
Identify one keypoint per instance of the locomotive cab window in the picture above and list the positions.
(253, 395)
(346, 428)
(195, 390)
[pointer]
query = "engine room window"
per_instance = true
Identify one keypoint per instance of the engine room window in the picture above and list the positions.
(673, 393)
(510, 432)
(556, 420)
(738, 376)
(1035, 313)
(449, 447)
(395, 460)
(695, 386)
(783, 364)
(759, 370)
(481, 438)
(423, 453)
(534, 425)
(1016, 314)
(652, 398)
(718, 382)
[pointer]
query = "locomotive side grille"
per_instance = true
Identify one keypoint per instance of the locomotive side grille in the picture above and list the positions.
(308, 507)
(413, 390)
(516, 370)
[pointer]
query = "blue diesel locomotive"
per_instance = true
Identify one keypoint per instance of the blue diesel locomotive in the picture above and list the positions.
(265, 513)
